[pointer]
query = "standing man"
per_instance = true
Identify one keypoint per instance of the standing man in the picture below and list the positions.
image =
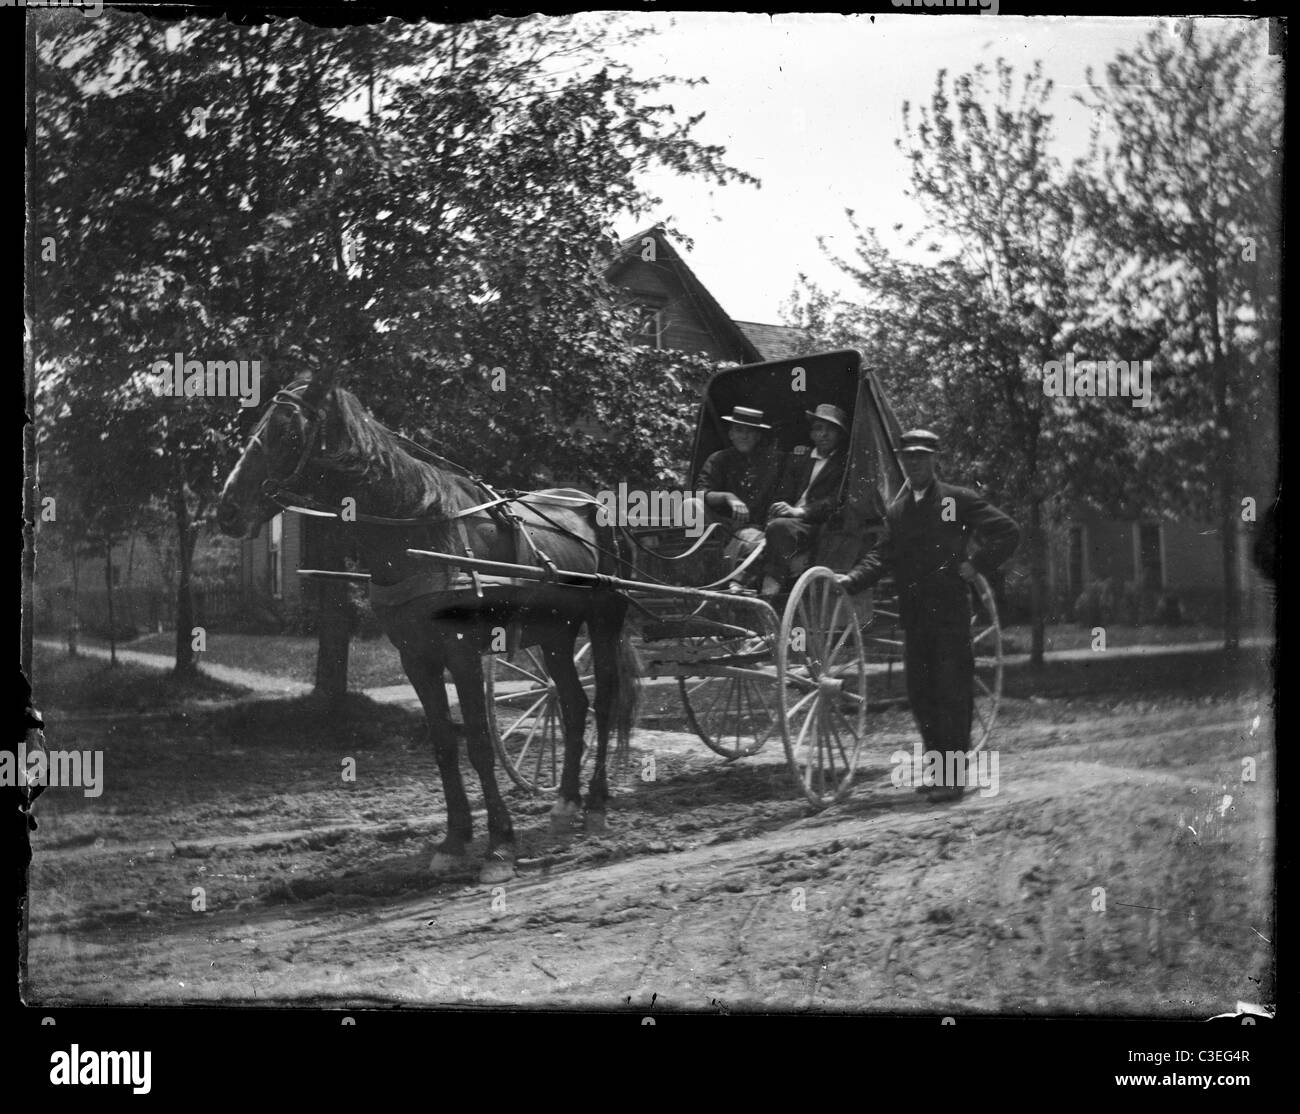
(928, 529)
(809, 494)
(738, 484)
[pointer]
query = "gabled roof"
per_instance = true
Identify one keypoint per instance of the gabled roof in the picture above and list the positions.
(666, 256)
(774, 342)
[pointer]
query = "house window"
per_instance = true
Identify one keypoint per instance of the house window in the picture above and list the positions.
(652, 320)
(1151, 565)
(1076, 559)
(275, 556)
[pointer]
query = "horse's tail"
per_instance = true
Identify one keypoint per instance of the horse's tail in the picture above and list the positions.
(627, 695)
(628, 671)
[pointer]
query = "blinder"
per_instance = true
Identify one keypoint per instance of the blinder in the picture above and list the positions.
(272, 487)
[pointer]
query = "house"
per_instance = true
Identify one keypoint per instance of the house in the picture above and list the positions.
(142, 569)
(1179, 559)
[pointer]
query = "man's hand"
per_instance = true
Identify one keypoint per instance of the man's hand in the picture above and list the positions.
(842, 579)
(967, 572)
(739, 512)
(784, 510)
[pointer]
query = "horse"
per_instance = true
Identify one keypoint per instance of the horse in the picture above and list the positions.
(315, 442)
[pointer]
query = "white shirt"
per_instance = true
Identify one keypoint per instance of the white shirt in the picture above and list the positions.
(917, 496)
(819, 462)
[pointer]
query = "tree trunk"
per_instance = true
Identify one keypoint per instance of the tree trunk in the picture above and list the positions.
(74, 623)
(108, 585)
(1037, 583)
(185, 663)
(334, 628)
(1226, 466)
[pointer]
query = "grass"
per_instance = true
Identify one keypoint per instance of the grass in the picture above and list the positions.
(83, 683)
(371, 662)
(1069, 636)
(374, 662)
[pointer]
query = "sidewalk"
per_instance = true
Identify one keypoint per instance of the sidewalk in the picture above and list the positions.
(404, 695)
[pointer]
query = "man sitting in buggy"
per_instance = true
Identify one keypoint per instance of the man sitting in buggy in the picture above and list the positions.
(737, 485)
(808, 494)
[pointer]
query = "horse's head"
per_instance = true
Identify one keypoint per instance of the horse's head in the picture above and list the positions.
(278, 458)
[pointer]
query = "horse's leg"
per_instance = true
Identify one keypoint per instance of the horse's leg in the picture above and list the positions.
(605, 627)
(558, 652)
(425, 673)
(467, 670)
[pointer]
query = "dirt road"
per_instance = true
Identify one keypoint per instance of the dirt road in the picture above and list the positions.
(1123, 866)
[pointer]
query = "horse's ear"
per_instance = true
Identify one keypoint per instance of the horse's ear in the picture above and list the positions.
(317, 388)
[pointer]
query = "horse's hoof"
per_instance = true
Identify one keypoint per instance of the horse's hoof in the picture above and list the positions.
(497, 868)
(442, 864)
(564, 817)
(595, 822)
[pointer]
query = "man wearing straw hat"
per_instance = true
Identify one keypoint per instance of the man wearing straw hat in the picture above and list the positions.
(737, 484)
(928, 529)
(810, 492)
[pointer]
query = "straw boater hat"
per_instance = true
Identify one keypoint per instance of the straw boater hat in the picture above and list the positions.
(919, 441)
(746, 416)
(828, 413)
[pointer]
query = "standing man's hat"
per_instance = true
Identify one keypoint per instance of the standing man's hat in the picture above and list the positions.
(920, 441)
(747, 416)
(828, 413)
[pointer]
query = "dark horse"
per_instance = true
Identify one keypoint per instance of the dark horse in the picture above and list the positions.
(316, 444)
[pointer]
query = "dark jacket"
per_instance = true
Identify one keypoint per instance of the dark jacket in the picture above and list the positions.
(825, 494)
(923, 547)
(751, 477)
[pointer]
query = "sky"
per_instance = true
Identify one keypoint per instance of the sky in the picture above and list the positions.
(812, 106)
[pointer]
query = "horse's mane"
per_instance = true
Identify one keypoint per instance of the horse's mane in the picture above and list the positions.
(359, 445)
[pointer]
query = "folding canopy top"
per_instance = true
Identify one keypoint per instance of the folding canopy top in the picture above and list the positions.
(784, 390)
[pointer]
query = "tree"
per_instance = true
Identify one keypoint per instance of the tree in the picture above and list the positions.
(966, 335)
(1186, 191)
(414, 206)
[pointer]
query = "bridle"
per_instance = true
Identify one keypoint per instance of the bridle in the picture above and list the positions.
(272, 487)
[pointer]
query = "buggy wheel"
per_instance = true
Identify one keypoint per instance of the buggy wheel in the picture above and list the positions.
(986, 645)
(737, 710)
(823, 671)
(524, 717)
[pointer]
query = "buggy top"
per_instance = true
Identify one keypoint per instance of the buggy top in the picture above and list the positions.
(784, 390)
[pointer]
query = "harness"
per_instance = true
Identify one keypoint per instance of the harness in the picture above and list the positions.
(499, 504)
(279, 490)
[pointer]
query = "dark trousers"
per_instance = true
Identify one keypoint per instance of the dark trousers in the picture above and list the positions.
(786, 538)
(940, 665)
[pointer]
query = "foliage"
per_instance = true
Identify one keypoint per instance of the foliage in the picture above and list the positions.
(411, 206)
